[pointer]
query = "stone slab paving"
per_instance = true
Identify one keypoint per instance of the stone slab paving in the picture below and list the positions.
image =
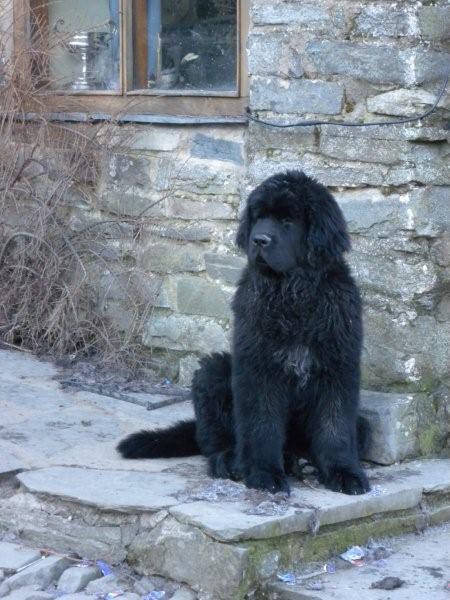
(166, 517)
(422, 562)
(14, 557)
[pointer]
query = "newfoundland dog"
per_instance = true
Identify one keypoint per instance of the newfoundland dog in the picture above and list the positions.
(290, 387)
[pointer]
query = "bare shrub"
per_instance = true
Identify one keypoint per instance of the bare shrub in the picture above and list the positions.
(55, 246)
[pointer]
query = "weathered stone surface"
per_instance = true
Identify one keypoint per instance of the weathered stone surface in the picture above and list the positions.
(115, 490)
(434, 22)
(384, 20)
(393, 426)
(185, 232)
(226, 267)
(159, 139)
(181, 553)
(273, 142)
(197, 177)
(76, 579)
(393, 132)
(13, 556)
(178, 332)
(296, 96)
(41, 574)
(29, 592)
(9, 462)
(132, 203)
(196, 296)
(310, 15)
(184, 208)
(205, 146)
(430, 66)
(172, 258)
(188, 365)
(262, 50)
(379, 64)
(103, 585)
(402, 102)
(184, 595)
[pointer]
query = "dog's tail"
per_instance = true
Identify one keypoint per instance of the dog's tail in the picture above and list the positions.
(178, 440)
(364, 435)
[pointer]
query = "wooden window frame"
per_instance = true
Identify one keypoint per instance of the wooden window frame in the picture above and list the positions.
(192, 104)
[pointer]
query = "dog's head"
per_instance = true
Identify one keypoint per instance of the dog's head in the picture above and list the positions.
(291, 220)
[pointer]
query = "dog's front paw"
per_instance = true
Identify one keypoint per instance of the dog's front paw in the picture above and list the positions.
(348, 482)
(266, 480)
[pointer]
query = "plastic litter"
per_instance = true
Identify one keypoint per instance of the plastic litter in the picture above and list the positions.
(112, 595)
(354, 555)
(314, 585)
(155, 595)
(287, 577)
(329, 568)
(388, 583)
(104, 568)
(377, 490)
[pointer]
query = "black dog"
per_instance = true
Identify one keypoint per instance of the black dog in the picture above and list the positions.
(291, 385)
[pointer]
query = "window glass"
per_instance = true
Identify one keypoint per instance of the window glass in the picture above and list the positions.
(83, 43)
(190, 45)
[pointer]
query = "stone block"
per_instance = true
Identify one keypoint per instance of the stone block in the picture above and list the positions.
(296, 96)
(194, 176)
(309, 15)
(184, 595)
(177, 332)
(188, 366)
(196, 296)
(262, 49)
(172, 258)
(154, 138)
(226, 267)
(14, 557)
(385, 21)
(132, 202)
(434, 22)
(405, 348)
(430, 66)
(41, 574)
(374, 63)
(184, 208)
(29, 592)
(206, 146)
(402, 102)
(103, 585)
(181, 552)
(184, 232)
(378, 151)
(280, 142)
(76, 579)
(393, 425)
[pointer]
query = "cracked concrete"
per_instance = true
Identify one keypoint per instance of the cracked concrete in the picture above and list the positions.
(70, 491)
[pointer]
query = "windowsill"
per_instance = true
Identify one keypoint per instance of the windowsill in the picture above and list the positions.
(83, 117)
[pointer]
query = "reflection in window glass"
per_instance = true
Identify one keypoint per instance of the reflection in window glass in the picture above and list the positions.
(84, 44)
(191, 45)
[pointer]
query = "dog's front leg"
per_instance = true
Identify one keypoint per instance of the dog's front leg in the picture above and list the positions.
(334, 447)
(260, 418)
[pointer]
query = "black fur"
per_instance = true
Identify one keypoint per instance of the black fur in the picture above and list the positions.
(291, 385)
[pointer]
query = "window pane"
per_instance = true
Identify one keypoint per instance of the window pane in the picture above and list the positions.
(187, 44)
(83, 43)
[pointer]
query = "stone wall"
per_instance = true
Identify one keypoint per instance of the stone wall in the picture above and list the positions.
(188, 181)
(339, 60)
(368, 61)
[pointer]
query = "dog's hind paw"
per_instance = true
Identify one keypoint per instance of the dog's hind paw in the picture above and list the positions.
(266, 480)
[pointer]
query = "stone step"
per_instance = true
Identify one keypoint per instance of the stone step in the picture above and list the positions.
(401, 426)
(178, 523)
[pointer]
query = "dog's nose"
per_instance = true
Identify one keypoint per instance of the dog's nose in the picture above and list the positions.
(262, 239)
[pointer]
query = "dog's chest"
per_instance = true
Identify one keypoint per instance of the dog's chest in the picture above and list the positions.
(295, 361)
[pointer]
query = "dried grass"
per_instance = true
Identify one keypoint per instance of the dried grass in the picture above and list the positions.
(51, 256)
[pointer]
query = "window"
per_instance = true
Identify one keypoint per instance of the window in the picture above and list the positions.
(163, 56)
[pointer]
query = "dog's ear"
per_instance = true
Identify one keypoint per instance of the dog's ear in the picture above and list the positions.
(243, 230)
(327, 231)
